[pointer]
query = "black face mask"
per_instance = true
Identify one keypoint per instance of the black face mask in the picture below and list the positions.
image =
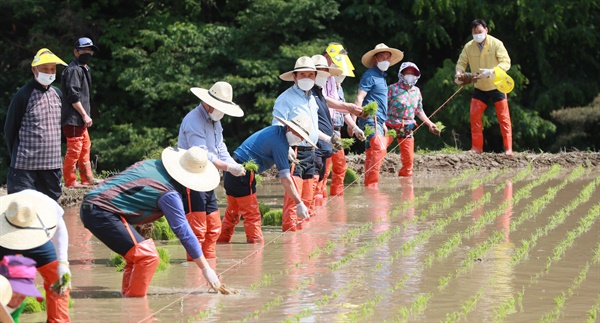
(85, 58)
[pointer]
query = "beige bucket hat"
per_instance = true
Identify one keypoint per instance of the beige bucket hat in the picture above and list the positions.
(397, 55)
(220, 97)
(26, 221)
(321, 62)
(301, 124)
(191, 168)
(303, 64)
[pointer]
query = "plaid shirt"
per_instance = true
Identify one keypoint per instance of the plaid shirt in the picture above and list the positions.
(32, 128)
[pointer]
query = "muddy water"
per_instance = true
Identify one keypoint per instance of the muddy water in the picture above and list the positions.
(363, 276)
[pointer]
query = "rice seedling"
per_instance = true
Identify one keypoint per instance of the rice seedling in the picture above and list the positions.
(263, 208)
(350, 177)
(273, 218)
(32, 305)
(207, 313)
(369, 109)
(391, 133)
(164, 259)
(368, 130)
(440, 126)
(250, 166)
(466, 307)
(347, 142)
(162, 230)
(592, 313)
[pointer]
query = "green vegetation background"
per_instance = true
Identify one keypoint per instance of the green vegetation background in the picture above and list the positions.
(152, 52)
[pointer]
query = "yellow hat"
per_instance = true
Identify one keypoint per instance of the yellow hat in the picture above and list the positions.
(503, 82)
(45, 56)
(340, 58)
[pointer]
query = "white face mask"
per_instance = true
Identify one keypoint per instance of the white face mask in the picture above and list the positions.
(292, 139)
(479, 37)
(410, 79)
(339, 79)
(383, 66)
(216, 115)
(321, 81)
(306, 84)
(45, 78)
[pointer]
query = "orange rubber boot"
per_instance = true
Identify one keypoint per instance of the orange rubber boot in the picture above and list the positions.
(213, 230)
(249, 210)
(230, 220)
(197, 221)
(144, 258)
(321, 191)
(57, 306)
(375, 155)
(476, 114)
(503, 115)
(338, 173)
(309, 187)
(85, 167)
(289, 216)
(407, 156)
(74, 145)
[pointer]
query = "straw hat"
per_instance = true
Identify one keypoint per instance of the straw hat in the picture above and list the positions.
(300, 124)
(45, 56)
(303, 64)
(191, 168)
(397, 55)
(26, 221)
(339, 57)
(220, 97)
(5, 291)
(321, 62)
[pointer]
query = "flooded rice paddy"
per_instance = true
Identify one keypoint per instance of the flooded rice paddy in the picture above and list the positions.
(507, 245)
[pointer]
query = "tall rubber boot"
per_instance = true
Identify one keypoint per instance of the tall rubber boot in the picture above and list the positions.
(57, 306)
(320, 193)
(230, 220)
(407, 156)
(197, 221)
(249, 210)
(213, 230)
(144, 258)
(74, 145)
(338, 173)
(308, 193)
(503, 115)
(374, 158)
(289, 217)
(85, 167)
(476, 115)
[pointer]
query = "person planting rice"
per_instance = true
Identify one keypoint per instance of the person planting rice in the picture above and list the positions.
(17, 281)
(404, 102)
(266, 148)
(142, 194)
(373, 88)
(202, 128)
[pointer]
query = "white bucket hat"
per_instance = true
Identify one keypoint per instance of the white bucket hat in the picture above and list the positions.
(321, 62)
(397, 55)
(300, 124)
(26, 221)
(220, 97)
(191, 168)
(303, 64)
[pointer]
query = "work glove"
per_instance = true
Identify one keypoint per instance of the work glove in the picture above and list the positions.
(486, 73)
(336, 142)
(434, 129)
(302, 211)
(236, 169)
(211, 277)
(360, 135)
(457, 78)
(64, 279)
(292, 156)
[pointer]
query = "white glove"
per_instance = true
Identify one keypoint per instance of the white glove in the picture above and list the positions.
(302, 210)
(292, 156)
(359, 134)
(211, 277)
(236, 169)
(64, 279)
(485, 73)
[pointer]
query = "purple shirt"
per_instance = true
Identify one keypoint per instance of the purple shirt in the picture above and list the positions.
(403, 103)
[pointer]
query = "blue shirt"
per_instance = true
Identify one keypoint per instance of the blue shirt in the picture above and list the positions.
(266, 147)
(198, 129)
(293, 102)
(373, 82)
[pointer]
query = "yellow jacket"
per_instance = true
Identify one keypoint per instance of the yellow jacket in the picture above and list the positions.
(493, 54)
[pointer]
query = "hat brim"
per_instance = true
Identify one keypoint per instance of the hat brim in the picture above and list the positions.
(48, 59)
(25, 287)
(289, 76)
(345, 65)
(397, 56)
(297, 129)
(23, 239)
(5, 291)
(93, 47)
(229, 108)
(201, 182)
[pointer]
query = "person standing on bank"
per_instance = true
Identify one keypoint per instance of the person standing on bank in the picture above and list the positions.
(202, 127)
(143, 193)
(76, 83)
(483, 54)
(32, 130)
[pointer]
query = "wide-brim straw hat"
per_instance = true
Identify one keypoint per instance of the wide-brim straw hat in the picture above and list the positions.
(300, 124)
(397, 55)
(321, 62)
(191, 168)
(303, 64)
(5, 291)
(26, 221)
(220, 97)
(45, 56)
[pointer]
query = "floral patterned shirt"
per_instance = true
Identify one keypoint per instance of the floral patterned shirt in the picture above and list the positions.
(403, 103)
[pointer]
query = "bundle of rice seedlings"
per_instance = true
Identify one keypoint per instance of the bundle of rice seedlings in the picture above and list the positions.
(60, 287)
(351, 176)
(258, 178)
(32, 305)
(347, 142)
(165, 259)
(273, 217)
(162, 230)
(116, 260)
(263, 208)
(250, 166)
(392, 133)
(368, 130)
(440, 126)
(369, 109)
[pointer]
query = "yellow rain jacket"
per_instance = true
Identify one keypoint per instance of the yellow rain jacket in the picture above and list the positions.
(493, 54)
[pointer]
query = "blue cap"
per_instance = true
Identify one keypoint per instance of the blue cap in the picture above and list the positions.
(85, 42)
